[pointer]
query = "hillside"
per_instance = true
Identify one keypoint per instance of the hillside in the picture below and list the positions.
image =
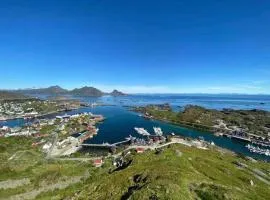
(58, 91)
(53, 90)
(6, 95)
(86, 91)
(117, 93)
(177, 172)
(250, 121)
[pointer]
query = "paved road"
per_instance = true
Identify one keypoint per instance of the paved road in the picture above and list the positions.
(78, 159)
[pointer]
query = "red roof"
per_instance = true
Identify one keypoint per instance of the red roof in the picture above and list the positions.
(140, 149)
(98, 161)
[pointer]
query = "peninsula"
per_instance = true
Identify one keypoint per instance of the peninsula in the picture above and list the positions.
(247, 125)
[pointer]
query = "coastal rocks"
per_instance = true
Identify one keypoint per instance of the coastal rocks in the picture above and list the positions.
(140, 181)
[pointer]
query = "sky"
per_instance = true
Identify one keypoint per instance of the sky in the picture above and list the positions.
(137, 46)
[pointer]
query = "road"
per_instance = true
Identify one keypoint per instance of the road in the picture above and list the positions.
(53, 145)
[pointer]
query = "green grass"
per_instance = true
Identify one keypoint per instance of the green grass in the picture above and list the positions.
(255, 121)
(195, 174)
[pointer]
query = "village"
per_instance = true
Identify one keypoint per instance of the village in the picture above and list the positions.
(62, 136)
(31, 108)
(156, 142)
(58, 136)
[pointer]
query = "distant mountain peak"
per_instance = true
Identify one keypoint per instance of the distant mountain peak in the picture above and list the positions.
(55, 87)
(57, 90)
(86, 91)
(117, 93)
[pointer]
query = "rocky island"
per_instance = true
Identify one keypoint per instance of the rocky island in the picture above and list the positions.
(248, 125)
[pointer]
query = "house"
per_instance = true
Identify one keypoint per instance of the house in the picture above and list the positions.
(98, 162)
(4, 128)
(140, 150)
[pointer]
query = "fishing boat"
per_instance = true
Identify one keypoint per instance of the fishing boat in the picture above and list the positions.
(158, 131)
(258, 150)
(142, 131)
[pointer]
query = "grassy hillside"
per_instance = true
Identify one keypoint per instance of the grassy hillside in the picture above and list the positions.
(5, 95)
(178, 172)
(252, 121)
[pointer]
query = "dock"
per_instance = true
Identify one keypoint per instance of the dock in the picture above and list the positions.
(96, 145)
(106, 144)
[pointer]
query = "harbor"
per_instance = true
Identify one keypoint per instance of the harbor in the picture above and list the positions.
(120, 123)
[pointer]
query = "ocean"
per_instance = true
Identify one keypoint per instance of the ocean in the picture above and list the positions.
(120, 122)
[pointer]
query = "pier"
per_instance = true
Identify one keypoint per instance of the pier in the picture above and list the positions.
(106, 144)
(96, 145)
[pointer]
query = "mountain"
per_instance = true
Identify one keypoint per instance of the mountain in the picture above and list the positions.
(53, 90)
(86, 91)
(7, 95)
(57, 90)
(117, 93)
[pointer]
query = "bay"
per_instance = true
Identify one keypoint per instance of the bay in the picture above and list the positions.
(120, 122)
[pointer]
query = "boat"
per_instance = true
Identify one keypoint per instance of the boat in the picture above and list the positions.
(158, 131)
(130, 138)
(142, 131)
(173, 134)
(258, 150)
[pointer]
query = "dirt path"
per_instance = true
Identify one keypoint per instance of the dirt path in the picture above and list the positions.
(60, 185)
(13, 183)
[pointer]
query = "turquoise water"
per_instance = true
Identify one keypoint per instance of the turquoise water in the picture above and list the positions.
(120, 122)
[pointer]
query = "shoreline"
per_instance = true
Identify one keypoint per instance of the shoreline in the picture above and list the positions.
(38, 116)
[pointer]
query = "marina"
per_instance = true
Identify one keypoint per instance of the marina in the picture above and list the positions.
(258, 150)
(120, 123)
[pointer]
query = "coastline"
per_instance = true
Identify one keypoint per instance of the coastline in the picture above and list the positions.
(184, 124)
(37, 116)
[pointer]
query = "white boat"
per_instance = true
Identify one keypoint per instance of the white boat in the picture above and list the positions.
(158, 131)
(142, 131)
(173, 134)
(258, 150)
(130, 138)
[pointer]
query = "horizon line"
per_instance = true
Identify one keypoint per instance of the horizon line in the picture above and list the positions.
(140, 93)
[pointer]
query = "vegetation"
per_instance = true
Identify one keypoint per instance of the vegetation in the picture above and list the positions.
(19, 161)
(41, 107)
(6, 95)
(252, 121)
(178, 172)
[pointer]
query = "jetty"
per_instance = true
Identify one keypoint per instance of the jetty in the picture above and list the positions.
(107, 144)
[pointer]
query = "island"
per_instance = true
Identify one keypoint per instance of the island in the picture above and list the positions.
(251, 126)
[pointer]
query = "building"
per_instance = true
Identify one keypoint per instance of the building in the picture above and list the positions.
(140, 150)
(98, 162)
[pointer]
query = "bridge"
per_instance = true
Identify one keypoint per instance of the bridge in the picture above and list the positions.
(96, 145)
(105, 144)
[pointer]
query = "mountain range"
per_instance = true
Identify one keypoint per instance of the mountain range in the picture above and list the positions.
(7, 95)
(57, 90)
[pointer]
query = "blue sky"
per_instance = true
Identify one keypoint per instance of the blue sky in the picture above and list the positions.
(168, 46)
